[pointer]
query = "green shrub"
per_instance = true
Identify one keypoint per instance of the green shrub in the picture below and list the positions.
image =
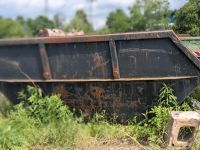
(43, 108)
(38, 120)
(5, 105)
(152, 129)
(45, 121)
(196, 94)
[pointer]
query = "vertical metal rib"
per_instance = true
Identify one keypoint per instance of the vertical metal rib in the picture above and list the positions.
(114, 59)
(45, 62)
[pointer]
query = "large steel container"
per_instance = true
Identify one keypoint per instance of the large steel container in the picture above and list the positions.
(119, 73)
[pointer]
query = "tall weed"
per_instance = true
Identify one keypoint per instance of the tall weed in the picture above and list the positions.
(153, 127)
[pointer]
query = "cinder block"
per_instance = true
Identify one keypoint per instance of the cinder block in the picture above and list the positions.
(182, 128)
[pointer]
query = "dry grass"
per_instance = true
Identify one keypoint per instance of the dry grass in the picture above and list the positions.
(114, 144)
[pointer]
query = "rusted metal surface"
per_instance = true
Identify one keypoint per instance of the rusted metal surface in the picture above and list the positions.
(120, 73)
(126, 56)
(103, 80)
(184, 35)
(118, 99)
(45, 62)
(115, 63)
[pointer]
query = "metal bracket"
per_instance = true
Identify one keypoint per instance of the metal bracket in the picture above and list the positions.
(45, 62)
(114, 59)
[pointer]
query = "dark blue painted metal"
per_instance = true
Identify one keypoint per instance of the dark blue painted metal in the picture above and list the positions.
(121, 73)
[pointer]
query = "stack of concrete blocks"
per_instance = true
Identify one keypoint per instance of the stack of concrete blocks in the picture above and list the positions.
(182, 119)
(46, 32)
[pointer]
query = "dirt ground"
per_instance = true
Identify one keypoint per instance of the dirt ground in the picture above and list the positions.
(112, 145)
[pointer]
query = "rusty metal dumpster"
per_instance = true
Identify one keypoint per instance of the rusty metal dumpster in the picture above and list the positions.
(118, 73)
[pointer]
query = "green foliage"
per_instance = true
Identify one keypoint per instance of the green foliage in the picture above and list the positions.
(187, 18)
(43, 108)
(80, 23)
(44, 122)
(10, 28)
(58, 20)
(153, 127)
(167, 98)
(149, 15)
(40, 121)
(38, 23)
(5, 106)
(144, 15)
(196, 94)
(118, 21)
(103, 30)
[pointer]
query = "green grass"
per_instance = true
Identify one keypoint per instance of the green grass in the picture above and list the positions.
(20, 131)
(44, 122)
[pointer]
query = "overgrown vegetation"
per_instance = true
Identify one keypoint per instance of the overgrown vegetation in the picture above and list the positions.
(187, 18)
(143, 15)
(153, 128)
(44, 122)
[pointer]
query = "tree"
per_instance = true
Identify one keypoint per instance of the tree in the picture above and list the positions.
(103, 30)
(23, 23)
(118, 21)
(149, 15)
(58, 20)
(39, 23)
(80, 22)
(10, 28)
(187, 18)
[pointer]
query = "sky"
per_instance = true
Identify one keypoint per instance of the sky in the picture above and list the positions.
(101, 8)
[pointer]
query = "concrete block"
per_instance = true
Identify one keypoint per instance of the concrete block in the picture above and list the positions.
(182, 128)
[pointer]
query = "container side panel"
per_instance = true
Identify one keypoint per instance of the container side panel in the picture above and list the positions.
(20, 62)
(80, 60)
(122, 99)
(153, 58)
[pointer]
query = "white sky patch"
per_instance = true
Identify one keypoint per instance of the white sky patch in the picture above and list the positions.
(101, 8)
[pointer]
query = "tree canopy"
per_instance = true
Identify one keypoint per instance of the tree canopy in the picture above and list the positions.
(187, 18)
(143, 15)
(118, 21)
(10, 28)
(149, 15)
(39, 23)
(80, 22)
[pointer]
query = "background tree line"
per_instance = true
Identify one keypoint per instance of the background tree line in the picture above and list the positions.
(144, 15)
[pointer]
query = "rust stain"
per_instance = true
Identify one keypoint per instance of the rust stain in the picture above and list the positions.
(97, 59)
(96, 99)
(60, 90)
(116, 73)
(117, 103)
(46, 73)
(100, 65)
(45, 62)
(97, 92)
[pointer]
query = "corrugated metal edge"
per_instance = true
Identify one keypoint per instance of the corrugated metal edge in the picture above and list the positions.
(87, 38)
